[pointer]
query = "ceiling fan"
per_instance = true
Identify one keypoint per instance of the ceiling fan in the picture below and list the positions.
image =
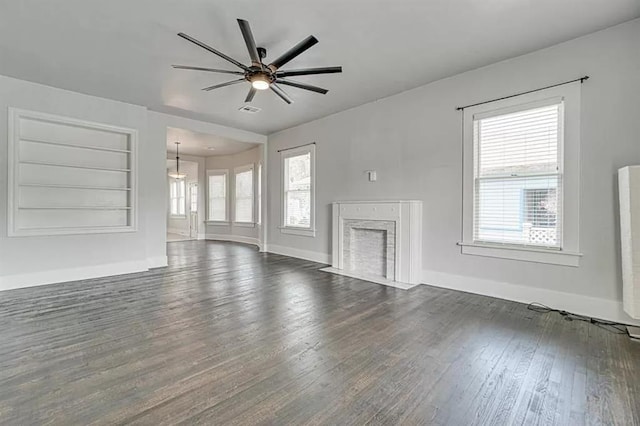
(260, 75)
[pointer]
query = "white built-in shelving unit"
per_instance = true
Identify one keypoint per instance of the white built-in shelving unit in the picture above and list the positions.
(69, 176)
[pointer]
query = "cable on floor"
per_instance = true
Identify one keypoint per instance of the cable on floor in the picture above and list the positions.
(612, 327)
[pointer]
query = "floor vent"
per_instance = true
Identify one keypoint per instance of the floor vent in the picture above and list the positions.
(248, 108)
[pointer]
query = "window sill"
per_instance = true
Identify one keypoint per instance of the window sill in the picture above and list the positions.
(178, 216)
(244, 224)
(526, 254)
(217, 222)
(305, 232)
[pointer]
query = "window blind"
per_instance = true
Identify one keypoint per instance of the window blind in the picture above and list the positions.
(518, 177)
(244, 196)
(217, 197)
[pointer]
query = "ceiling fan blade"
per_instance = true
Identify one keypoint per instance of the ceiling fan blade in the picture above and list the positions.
(283, 95)
(293, 52)
(303, 86)
(228, 83)
(309, 71)
(250, 42)
(212, 50)
(250, 95)
(186, 67)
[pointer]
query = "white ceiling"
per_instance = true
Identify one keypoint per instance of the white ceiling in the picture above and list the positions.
(123, 49)
(202, 144)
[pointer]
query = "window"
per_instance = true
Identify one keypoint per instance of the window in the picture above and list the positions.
(541, 207)
(244, 194)
(518, 177)
(177, 198)
(522, 169)
(259, 193)
(217, 185)
(193, 197)
(298, 190)
(69, 176)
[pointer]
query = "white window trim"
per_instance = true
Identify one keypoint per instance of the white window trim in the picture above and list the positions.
(569, 254)
(236, 171)
(13, 174)
(296, 230)
(258, 186)
(225, 173)
(244, 224)
(171, 214)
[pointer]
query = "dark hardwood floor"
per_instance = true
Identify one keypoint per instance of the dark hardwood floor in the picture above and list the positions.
(227, 335)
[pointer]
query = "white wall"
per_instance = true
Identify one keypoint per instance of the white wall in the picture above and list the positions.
(30, 260)
(26, 261)
(413, 140)
(234, 232)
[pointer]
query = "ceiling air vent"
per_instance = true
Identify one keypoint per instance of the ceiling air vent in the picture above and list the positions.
(248, 108)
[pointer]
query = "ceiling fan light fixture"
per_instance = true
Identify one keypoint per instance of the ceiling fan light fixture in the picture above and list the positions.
(260, 82)
(262, 76)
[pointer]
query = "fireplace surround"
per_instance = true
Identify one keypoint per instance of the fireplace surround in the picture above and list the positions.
(378, 241)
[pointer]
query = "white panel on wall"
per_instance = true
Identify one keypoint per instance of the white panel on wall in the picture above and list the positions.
(41, 152)
(31, 174)
(34, 196)
(76, 219)
(629, 188)
(68, 176)
(83, 134)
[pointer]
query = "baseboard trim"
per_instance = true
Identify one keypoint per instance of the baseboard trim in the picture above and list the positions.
(610, 310)
(10, 282)
(181, 232)
(157, 262)
(234, 238)
(313, 256)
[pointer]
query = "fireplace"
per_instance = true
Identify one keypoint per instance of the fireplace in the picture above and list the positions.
(379, 241)
(369, 247)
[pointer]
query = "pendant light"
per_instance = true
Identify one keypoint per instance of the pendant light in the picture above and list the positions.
(177, 175)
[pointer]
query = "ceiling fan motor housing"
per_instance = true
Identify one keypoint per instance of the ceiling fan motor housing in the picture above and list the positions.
(257, 73)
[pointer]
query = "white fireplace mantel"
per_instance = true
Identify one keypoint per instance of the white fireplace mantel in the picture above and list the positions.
(407, 217)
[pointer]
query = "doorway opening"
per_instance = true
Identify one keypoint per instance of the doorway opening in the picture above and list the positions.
(221, 195)
(182, 206)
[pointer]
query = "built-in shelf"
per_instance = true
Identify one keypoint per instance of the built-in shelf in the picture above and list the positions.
(89, 228)
(53, 185)
(80, 227)
(73, 145)
(75, 208)
(74, 166)
(60, 183)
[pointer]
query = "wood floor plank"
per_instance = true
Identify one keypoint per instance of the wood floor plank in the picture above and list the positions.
(227, 335)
